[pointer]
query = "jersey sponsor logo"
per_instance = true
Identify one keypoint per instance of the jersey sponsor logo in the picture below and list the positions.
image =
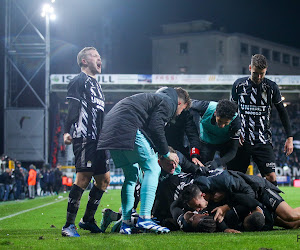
(253, 107)
(270, 164)
(272, 202)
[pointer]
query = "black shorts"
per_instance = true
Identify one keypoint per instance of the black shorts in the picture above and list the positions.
(271, 199)
(262, 154)
(87, 158)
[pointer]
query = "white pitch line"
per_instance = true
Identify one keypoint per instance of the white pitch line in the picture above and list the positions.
(30, 209)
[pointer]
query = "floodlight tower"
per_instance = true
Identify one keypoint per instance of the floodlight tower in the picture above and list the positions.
(27, 65)
(48, 14)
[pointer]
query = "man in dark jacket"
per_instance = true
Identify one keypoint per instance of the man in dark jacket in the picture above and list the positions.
(180, 128)
(19, 177)
(132, 130)
(58, 179)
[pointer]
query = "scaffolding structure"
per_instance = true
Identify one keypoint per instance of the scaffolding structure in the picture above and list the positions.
(27, 62)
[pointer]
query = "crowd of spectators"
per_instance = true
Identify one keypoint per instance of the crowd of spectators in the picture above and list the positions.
(278, 136)
(18, 182)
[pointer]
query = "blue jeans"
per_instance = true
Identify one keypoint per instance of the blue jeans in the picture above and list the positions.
(7, 190)
(2, 191)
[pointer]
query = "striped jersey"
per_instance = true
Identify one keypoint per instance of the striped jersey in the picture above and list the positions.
(254, 106)
(86, 90)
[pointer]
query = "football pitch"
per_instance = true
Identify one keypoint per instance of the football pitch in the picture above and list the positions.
(36, 224)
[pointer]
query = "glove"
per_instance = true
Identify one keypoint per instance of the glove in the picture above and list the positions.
(212, 165)
(202, 171)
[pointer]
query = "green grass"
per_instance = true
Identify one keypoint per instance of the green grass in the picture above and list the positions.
(41, 229)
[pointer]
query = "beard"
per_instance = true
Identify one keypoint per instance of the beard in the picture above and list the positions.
(257, 81)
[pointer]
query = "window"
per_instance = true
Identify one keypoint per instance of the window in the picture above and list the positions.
(183, 70)
(254, 50)
(295, 61)
(276, 56)
(266, 53)
(286, 59)
(221, 69)
(220, 47)
(183, 48)
(244, 49)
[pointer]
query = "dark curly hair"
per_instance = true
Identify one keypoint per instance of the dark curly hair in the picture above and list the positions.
(207, 224)
(226, 109)
(254, 222)
(189, 192)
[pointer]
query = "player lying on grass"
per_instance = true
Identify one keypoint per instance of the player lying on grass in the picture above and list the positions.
(191, 219)
(267, 202)
(212, 181)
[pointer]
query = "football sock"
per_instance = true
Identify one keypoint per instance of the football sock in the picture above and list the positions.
(127, 192)
(149, 186)
(92, 205)
(73, 204)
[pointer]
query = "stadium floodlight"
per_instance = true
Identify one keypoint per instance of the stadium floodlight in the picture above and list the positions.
(52, 17)
(48, 13)
(47, 10)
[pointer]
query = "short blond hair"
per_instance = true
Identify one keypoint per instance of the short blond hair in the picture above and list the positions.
(82, 55)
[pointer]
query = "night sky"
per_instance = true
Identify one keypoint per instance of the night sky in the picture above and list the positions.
(139, 20)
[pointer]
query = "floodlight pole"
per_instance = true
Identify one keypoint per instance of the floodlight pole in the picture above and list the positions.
(47, 75)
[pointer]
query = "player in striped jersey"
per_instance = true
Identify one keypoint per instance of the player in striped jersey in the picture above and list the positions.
(85, 114)
(255, 96)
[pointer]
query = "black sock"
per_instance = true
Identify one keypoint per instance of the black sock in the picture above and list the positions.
(92, 205)
(73, 204)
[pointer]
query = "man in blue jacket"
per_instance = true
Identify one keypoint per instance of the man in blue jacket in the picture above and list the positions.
(133, 130)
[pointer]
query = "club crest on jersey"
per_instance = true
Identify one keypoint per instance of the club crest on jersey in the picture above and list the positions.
(89, 164)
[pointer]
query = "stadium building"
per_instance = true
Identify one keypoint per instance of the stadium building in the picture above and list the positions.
(196, 48)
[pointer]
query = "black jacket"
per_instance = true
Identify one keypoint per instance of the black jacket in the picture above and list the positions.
(177, 128)
(147, 112)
